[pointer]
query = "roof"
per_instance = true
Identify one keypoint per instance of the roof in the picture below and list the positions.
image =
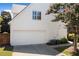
(17, 10)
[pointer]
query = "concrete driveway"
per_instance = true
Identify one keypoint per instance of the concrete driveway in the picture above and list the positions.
(31, 50)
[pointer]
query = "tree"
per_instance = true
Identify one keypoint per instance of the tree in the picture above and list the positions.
(1, 19)
(6, 18)
(69, 14)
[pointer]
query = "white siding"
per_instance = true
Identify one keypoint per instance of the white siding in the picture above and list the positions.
(25, 30)
(17, 8)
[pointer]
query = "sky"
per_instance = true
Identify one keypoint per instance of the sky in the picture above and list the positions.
(5, 6)
(8, 6)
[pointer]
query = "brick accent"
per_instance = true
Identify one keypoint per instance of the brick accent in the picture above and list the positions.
(4, 38)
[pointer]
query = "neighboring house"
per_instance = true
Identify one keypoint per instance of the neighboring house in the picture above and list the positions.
(31, 25)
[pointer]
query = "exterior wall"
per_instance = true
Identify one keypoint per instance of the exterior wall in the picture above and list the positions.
(17, 8)
(62, 30)
(26, 31)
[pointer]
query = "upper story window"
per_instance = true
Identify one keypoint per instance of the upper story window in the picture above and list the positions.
(36, 15)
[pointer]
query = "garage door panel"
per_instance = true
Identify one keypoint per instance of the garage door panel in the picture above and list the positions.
(28, 37)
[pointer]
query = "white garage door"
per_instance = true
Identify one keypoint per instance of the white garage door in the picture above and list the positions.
(28, 37)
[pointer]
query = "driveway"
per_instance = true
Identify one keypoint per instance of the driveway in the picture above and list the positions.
(31, 50)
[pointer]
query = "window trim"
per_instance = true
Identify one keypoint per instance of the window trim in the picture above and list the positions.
(36, 15)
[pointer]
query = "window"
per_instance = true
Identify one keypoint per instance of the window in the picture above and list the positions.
(36, 15)
(39, 15)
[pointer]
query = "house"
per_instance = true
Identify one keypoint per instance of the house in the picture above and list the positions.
(31, 25)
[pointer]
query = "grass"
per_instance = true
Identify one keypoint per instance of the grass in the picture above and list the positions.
(6, 51)
(66, 51)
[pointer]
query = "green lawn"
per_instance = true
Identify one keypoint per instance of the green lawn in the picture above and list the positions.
(66, 51)
(6, 51)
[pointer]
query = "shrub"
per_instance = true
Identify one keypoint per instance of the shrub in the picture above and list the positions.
(56, 41)
(63, 40)
(52, 42)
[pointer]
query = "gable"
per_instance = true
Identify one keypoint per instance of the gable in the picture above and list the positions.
(17, 8)
(33, 6)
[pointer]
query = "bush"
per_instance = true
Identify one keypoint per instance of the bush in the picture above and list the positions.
(56, 41)
(52, 42)
(72, 39)
(63, 40)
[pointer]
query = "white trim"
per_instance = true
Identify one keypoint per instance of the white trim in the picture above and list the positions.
(19, 13)
(31, 30)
